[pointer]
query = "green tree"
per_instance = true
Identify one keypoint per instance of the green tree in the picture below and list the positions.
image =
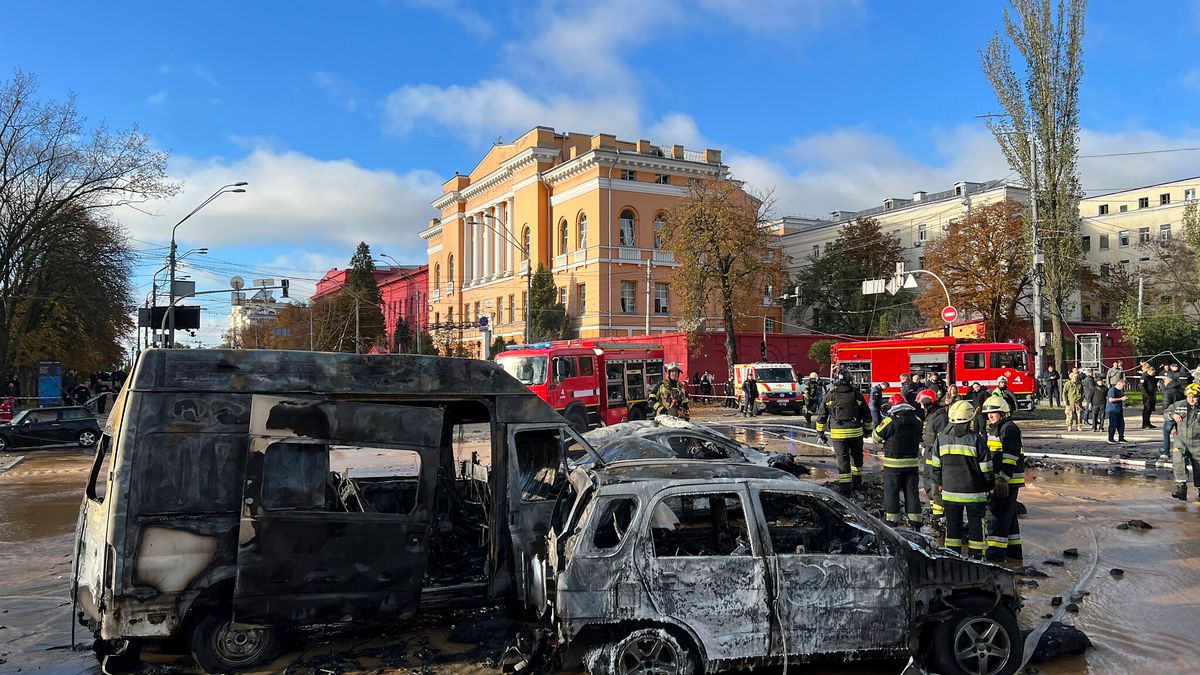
(1042, 112)
(831, 283)
(364, 294)
(548, 317)
(819, 352)
(499, 344)
(65, 272)
(1157, 331)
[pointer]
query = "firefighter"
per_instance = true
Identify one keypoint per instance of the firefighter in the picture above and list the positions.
(900, 436)
(845, 415)
(1008, 461)
(1002, 390)
(671, 396)
(1185, 439)
(936, 421)
(812, 396)
(962, 472)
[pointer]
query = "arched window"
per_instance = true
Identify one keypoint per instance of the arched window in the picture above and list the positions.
(450, 268)
(562, 236)
(628, 228)
(525, 242)
(660, 222)
(582, 231)
(437, 276)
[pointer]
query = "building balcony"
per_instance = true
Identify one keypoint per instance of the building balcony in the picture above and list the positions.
(664, 256)
(560, 261)
(627, 253)
(578, 256)
(448, 288)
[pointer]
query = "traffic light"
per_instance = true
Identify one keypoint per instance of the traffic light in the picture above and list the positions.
(762, 350)
(283, 284)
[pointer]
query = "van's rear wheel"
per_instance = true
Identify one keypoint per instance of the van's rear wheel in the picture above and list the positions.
(218, 647)
(646, 650)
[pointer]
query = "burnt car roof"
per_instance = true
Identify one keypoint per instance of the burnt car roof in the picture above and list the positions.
(685, 470)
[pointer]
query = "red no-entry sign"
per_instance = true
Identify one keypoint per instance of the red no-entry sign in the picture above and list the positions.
(949, 314)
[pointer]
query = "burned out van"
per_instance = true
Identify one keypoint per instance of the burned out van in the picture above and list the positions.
(235, 494)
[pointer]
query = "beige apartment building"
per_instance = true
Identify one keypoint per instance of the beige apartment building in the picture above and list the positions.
(589, 208)
(1116, 229)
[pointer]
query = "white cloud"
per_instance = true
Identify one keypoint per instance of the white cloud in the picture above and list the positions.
(340, 91)
(465, 16)
(157, 98)
(293, 199)
(1107, 174)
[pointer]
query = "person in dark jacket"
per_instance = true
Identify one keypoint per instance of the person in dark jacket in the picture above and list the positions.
(876, 404)
(936, 384)
(900, 436)
(1099, 406)
(1149, 387)
(813, 392)
(977, 396)
(1089, 388)
(845, 416)
(962, 472)
(1008, 463)
(749, 394)
(1052, 377)
(906, 385)
(936, 421)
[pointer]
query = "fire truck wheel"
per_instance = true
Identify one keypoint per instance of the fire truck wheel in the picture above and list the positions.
(578, 419)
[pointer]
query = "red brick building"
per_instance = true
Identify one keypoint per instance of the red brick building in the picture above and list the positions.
(405, 293)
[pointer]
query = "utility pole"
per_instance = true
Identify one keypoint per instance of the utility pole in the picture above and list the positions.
(1141, 293)
(649, 284)
(357, 339)
(1037, 261)
(311, 346)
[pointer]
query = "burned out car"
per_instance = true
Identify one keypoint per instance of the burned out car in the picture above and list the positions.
(668, 437)
(235, 494)
(685, 566)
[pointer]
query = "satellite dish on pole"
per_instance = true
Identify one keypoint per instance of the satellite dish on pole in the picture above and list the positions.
(237, 283)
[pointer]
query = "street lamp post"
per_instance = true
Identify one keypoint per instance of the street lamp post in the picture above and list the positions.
(172, 260)
(528, 271)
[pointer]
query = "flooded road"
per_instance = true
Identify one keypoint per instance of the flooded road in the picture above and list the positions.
(1143, 621)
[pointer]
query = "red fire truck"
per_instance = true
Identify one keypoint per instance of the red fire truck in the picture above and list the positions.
(590, 382)
(963, 363)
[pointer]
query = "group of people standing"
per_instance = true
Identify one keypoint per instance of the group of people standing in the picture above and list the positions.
(968, 455)
(1089, 399)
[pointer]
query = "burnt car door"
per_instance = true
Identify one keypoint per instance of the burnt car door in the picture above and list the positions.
(702, 565)
(317, 545)
(841, 587)
(537, 473)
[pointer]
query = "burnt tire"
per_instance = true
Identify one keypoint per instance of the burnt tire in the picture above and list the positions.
(86, 438)
(217, 647)
(578, 419)
(645, 650)
(981, 638)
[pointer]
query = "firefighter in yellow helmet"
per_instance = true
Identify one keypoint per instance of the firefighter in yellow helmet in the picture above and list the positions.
(1185, 439)
(670, 398)
(1008, 461)
(962, 472)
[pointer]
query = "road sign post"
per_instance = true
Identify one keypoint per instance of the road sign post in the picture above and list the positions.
(949, 314)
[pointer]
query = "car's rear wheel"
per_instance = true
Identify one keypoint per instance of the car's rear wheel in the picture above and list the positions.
(86, 438)
(3, 444)
(646, 650)
(218, 647)
(981, 638)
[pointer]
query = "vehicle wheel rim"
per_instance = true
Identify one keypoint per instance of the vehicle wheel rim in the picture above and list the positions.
(982, 647)
(649, 654)
(236, 646)
(87, 438)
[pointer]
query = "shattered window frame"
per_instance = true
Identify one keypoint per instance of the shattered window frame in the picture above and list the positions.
(738, 492)
(594, 525)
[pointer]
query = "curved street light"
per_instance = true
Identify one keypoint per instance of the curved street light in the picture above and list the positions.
(224, 189)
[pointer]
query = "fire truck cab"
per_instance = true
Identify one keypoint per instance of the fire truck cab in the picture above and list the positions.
(777, 387)
(589, 382)
(962, 363)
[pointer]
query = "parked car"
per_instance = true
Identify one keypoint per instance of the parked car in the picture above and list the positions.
(68, 425)
(678, 566)
(667, 438)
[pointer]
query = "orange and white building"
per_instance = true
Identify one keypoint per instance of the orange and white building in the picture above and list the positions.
(589, 208)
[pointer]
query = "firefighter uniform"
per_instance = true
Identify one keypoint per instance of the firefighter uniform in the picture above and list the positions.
(1185, 445)
(1008, 459)
(900, 436)
(670, 398)
(962, 469)
(936, 422)
(844, 417)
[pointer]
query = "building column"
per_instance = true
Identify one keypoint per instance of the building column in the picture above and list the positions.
(513, 253)
(489, 243)
(476, 241)
(497, 243)
(464, 263)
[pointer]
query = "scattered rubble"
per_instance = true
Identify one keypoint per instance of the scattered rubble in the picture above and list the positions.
(1060, 640)
(1053, 563)
(1030, 571)
(1070, 553)
(1135, 524)
(1073, 608)
(1056, 601)
(1116, 572)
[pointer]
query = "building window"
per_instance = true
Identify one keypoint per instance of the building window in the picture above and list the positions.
(1123, 238)
(1105, 268)
(524, 300)
(1143, 202)
(1086, 311)
(582, 231)
(662, 299)
(628, 227)
(525, 242)
(1104, 209)
(562, 236)
(437, 318)
(510, 309)
(662, 179)
(1189, 194)
(476, 311)
(627, 174)
(1143, 235)
(1164, 199)
(449, 315)
(1143, 260)
(581, 299)
(562, 296)
(896, 236)
(921, 263)
(1086, 243)
(922, 234)
(1164, 233)
(958, 190)
(450, 268)
(1104, 310)
(499, 309)
(1104, 242)
(816, 252)
(660, 222)
(628, 297)
(770, 324)
(437, 277)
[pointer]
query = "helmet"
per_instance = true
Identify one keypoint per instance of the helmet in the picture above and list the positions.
(995, 404)
(673, 366)
(813, 376)
(1002, 380)
(844, 376)
(961, 411)
(1192, 390)
(896, 399)
(926, 396)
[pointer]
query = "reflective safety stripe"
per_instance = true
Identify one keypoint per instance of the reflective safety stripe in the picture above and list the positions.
(937, 509)
(1010, 459)
(855, 469)
(855, 432)
(975, 545)
(994, 443)
(953, 543)
(892, 517)
(955, 449)
(1017, 479)
(883, 425)
(985, 466)
(934, 461)
(844, 478)
(963, 497)
(900, 462)
(997, 542)
(1014, 540)
(820, 426)
(915, 517)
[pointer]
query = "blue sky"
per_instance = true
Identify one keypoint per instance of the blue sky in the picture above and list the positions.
(346, 117)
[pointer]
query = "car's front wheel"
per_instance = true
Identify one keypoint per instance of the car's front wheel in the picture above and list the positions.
(981, 638)
(646, 650)
(3, 444)
(218, 647)
(86, 438)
